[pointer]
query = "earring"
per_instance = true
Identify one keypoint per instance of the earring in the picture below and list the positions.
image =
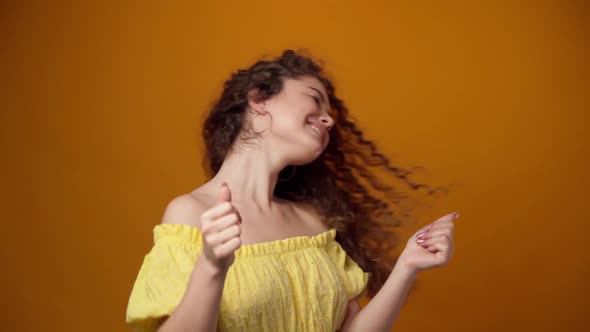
(290, 176)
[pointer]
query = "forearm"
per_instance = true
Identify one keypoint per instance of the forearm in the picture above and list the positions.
(382, 311)
(198, 310)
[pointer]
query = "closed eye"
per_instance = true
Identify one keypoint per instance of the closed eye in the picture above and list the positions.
(317, 100)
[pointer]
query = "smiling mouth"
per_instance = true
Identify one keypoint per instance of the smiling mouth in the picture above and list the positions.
(316, 129)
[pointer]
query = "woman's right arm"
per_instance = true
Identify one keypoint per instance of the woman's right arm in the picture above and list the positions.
(198, 310)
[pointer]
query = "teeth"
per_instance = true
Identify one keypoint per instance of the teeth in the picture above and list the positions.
(317, 130)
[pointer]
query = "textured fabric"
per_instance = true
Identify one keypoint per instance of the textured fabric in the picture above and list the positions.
(296, 284)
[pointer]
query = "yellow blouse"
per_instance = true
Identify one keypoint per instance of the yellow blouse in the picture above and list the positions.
(296, 284)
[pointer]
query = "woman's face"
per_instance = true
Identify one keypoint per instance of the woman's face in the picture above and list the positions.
(297, 120)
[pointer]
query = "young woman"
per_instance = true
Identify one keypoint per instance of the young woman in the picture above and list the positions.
(284, 236)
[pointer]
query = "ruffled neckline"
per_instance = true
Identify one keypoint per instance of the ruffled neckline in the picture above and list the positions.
(193, 234)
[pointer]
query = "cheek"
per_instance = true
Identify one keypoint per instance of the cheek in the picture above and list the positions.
(293, 109)
(290, 129)
(288, 121)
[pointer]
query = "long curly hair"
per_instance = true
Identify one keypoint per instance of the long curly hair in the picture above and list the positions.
(338, 182)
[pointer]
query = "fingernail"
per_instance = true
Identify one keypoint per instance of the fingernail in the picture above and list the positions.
(428, 227)
(420, 235)
(456, 215)
(420, 241)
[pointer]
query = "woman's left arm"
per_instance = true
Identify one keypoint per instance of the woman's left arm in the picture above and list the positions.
(381, 312)
(352, 310)
(432, 246)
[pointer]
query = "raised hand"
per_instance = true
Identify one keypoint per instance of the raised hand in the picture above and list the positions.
(431, 246)
(220, 227)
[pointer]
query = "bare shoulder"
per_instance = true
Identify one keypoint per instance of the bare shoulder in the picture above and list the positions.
(312, 215)
(185, 209)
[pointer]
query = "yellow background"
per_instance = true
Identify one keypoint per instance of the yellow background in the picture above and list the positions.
(100, 113)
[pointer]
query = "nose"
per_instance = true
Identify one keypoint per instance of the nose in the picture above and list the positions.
(327, 121)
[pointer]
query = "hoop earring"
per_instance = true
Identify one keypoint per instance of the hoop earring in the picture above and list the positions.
(290, 176)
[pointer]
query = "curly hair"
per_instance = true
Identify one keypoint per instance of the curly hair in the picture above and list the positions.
(338, 182)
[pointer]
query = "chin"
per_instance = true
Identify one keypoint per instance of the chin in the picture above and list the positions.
(300, 156)
(303, 151)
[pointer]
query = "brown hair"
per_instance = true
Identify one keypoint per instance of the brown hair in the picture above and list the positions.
(331, 183)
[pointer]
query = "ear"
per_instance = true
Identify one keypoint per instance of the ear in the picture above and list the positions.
(256, 103)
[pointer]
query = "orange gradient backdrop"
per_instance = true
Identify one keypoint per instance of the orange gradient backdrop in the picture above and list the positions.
(100, 115)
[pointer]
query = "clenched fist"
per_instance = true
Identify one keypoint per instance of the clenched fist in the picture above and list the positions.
(220, 227)
(431, 246)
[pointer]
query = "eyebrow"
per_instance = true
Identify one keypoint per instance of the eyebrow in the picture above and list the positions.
(322, 98)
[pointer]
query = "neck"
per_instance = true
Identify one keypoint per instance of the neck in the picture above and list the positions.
(251, 174)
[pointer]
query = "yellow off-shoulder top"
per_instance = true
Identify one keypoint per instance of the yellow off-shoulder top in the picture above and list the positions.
(296, 284)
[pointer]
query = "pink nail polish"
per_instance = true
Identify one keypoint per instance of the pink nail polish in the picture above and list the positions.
(420, 235)
(420, 241)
